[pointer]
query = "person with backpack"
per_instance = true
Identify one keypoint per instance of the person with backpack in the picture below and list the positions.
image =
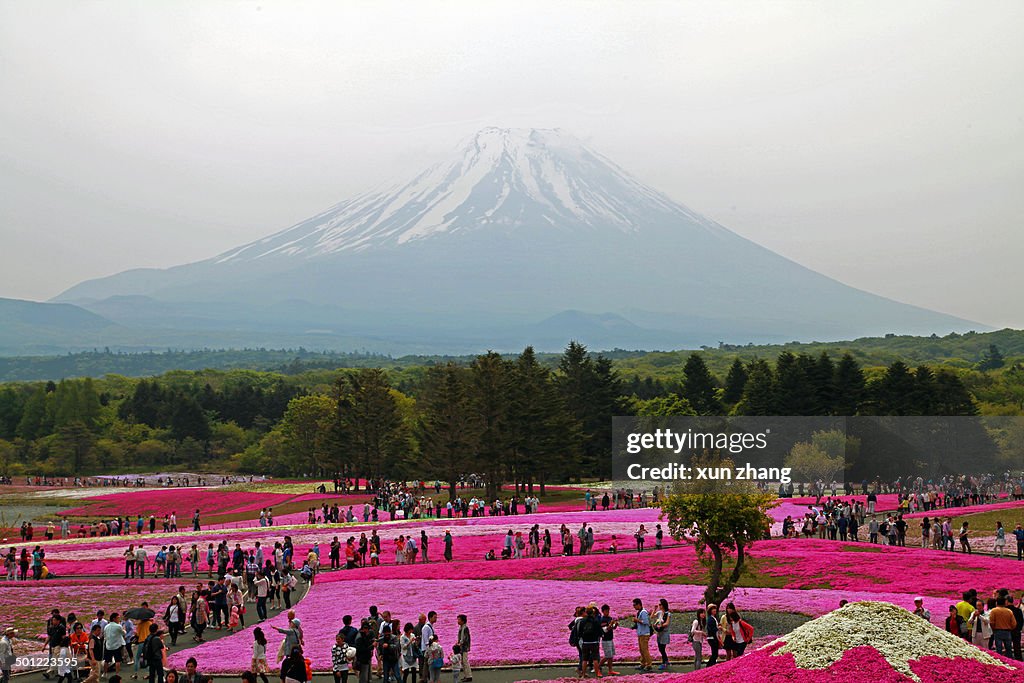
(389, 651)
(574, 636)
(363, 645)
(142, 630)
(293, 668)
(288, 584)
(153, 654)
(590, 641)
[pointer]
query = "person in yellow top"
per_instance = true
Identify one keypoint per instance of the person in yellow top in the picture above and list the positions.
(965, 608)
(143, 627)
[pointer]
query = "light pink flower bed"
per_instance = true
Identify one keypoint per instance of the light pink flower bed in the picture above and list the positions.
(473, 537)
(864, 566)
(539, 610)
(804, 565)
(182, 501)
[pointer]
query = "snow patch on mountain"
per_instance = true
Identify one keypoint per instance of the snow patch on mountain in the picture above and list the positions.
(512, 178)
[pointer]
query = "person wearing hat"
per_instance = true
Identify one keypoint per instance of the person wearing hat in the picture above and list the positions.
(7, 653)
(713, 632)
(919, 609)
(292, 638)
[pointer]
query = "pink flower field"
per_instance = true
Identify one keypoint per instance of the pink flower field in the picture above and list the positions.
(858, 664)
(473, 537)
(540, 608)
(534, 597)
(26, 605)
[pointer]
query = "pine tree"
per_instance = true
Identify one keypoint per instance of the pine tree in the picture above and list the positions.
(700, 387)
(793, 391)
(893, 393)
(923, 397)
(951, 397)
(735, 382)
(371, 422)
(823, 381)
(188, 419)
(759, 392)
(490, 405)
(543, 435)
(849, 387)
(12, 404)
(75, 444)
(35, 419)
(992, 360)
(448, 431)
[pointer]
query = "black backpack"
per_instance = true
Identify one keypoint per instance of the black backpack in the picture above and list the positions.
(146, 652)
(574, 633)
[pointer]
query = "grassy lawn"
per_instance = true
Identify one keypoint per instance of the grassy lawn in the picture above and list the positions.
(984, 523)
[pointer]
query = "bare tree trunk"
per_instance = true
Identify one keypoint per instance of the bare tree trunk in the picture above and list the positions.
(712, 594)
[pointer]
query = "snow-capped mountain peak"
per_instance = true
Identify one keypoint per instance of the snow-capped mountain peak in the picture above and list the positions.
(501, 178)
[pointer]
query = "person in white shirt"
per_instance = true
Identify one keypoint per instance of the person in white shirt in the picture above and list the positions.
(426, 635)
(113, 642)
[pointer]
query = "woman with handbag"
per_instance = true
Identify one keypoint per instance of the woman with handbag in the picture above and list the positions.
(662, 620)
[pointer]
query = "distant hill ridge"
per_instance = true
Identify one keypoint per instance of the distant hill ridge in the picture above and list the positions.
(955, 350)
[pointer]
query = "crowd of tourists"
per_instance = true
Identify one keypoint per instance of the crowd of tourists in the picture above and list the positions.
(851, 520)
(993, 623)
(165, 481)
(115, 526)
(622, 499)
(952, 491)
(592, 632)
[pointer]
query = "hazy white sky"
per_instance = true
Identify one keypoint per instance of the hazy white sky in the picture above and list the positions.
(879, 143)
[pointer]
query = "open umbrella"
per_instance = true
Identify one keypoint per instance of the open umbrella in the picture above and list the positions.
(140, 613)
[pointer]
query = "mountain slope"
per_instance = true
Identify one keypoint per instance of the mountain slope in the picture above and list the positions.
(33, 327)
(517, 227)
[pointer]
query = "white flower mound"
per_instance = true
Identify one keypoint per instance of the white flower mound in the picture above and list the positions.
(896, 633)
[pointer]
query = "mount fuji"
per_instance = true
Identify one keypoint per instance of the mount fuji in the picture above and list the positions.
(523, 236)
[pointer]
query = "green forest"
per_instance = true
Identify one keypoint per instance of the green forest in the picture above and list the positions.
(960, 351)
(524, 418)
